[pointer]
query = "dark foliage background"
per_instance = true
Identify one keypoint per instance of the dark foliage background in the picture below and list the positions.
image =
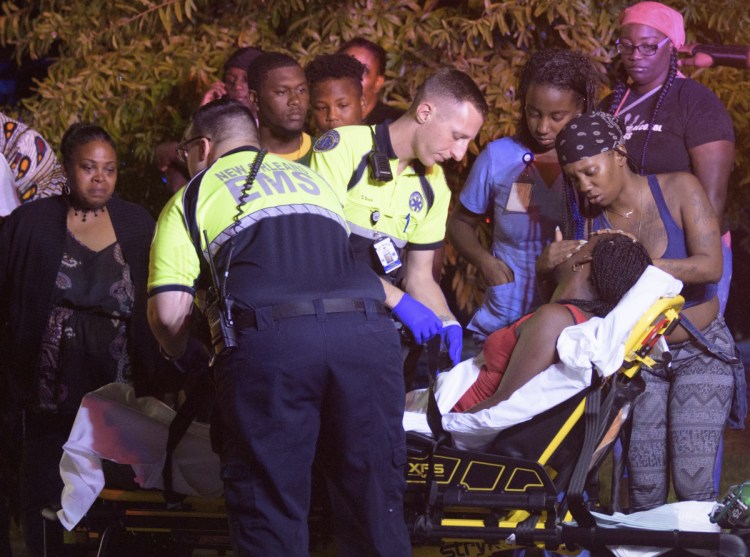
(137, 67)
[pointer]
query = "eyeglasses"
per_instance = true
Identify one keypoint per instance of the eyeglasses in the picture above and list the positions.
(644, 49)
(182, 148)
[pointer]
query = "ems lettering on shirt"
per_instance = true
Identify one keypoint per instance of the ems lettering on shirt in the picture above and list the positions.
(387, 254)
(273, 179)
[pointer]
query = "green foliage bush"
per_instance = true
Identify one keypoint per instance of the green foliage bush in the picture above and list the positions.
(137, 67)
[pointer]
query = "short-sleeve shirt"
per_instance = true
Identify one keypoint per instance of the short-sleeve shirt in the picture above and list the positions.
(690, 115)
(289, 243)
(302, 155)
(525, 213)
(411, 209)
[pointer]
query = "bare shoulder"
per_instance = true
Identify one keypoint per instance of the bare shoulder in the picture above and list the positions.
(548, 318)
(678, 187)
(677, 180)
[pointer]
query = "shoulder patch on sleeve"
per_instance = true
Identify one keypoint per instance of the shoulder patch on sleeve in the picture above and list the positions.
(327, 141)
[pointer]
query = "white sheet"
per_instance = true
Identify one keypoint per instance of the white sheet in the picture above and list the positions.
(687, 516)
(598, 341)
(112, 424)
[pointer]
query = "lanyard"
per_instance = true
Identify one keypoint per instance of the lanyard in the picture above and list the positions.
(634, 103)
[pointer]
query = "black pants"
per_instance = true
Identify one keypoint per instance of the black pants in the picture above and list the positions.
(336, 377)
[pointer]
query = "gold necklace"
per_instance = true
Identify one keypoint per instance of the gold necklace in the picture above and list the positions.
(625, 215)
(629, 214)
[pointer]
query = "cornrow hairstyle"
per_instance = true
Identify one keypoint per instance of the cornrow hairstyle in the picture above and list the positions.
(564, 70)
(260, 67)
(375, 49)
(80, 134)
(619, 93)
(335, 66)
(617, 263)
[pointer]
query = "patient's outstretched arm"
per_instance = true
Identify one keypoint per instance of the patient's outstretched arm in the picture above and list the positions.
(534, 352)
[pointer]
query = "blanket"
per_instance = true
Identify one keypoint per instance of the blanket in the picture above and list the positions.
(599, 342)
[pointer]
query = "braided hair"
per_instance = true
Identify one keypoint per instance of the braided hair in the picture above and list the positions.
(619, 93)
(564, 70)
(617, 263)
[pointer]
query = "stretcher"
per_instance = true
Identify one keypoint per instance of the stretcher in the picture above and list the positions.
(525, 488)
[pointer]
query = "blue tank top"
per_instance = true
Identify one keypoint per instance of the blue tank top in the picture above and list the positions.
(694, 294)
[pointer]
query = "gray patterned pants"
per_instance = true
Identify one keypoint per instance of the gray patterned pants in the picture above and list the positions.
(678, 422)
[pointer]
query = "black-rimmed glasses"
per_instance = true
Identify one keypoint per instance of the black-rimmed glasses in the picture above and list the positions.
(643, 49)
(182, 148)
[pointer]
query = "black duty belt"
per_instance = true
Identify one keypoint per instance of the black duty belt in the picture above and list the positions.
(247, 318)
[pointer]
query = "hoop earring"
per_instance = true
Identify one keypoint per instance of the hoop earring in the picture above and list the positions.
(66, 189)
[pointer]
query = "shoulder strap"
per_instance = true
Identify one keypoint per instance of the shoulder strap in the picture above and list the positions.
(429, 193)
(190, 208)
(578, 315)
(358, 172)
(177, 429)
(705, 343)
(661, 203)
(381, 143)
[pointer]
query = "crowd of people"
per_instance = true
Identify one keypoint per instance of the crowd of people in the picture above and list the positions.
(306, 224)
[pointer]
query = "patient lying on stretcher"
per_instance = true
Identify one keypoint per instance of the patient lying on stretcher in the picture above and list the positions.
(590, 283)
(545, 358)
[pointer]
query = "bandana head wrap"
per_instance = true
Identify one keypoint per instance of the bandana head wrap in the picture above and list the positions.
(586, 136)
(658, 16)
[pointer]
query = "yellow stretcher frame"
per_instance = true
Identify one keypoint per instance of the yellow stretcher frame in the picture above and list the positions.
(467, 500)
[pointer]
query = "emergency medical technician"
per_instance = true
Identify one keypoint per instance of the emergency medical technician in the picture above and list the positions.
(307, 355)
(394, 191)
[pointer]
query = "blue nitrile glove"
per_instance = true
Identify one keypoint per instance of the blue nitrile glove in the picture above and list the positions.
(452, 336)
(418, 318)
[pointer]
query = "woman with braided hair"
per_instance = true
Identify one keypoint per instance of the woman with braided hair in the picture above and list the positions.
(673, 124)
(679, 419)
(590, 283)
(519, 182)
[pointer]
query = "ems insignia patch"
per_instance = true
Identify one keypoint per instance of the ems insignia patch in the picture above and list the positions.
(327, 141)
(416, 202)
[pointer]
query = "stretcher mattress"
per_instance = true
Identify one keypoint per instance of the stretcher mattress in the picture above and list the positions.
(599, 342)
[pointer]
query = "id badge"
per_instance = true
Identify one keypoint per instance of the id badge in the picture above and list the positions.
(520, 198)
(387, 254)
